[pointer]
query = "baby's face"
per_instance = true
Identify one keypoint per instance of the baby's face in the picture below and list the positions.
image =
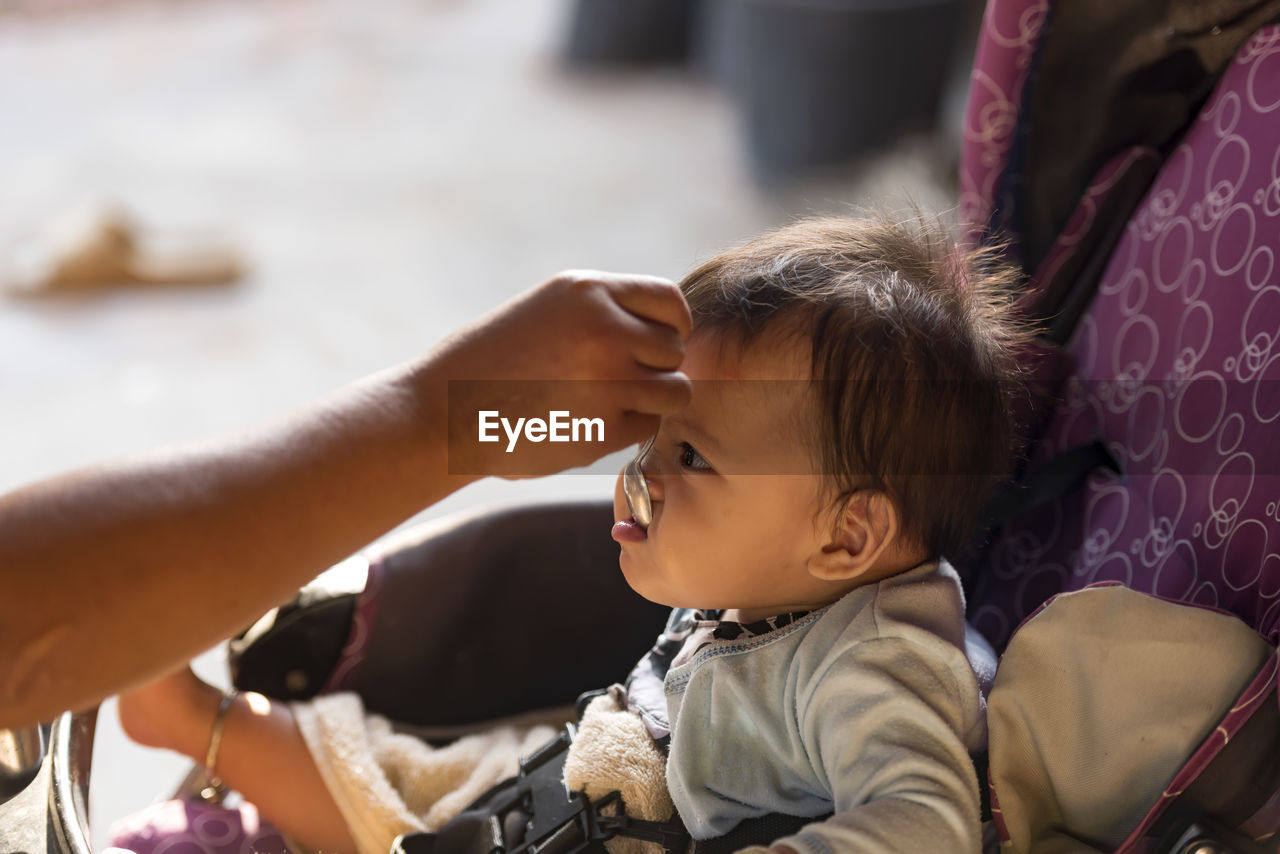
(736, 496)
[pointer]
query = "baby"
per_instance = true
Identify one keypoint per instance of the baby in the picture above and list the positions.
(851, 406)
(851, 411)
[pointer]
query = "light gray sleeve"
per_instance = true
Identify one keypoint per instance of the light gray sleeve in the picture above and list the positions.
(885, 723)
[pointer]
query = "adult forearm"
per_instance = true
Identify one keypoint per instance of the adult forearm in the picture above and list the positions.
(117, 573)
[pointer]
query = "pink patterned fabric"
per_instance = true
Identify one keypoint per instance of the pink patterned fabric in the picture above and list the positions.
(1177, 369)
(194, 827)
(1006, 46)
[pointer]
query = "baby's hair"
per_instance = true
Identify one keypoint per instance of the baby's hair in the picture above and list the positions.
(913, 357)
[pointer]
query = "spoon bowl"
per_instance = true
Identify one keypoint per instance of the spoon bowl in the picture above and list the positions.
(636, 488)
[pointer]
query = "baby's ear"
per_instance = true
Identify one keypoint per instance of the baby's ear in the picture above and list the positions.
(863, 531)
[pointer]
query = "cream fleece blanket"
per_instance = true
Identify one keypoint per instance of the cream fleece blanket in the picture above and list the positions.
(387, 783)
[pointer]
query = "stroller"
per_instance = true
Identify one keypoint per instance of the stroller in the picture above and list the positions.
(1131, 156)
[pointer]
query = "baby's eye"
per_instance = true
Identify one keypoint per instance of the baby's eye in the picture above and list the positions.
(691, 459)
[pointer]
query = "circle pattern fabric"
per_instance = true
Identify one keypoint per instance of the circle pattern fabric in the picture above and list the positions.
(1177, 370)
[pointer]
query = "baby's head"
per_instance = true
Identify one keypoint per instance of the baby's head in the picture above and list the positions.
(851, 410)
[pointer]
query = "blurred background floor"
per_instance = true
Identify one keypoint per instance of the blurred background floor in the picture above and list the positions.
(391, 169)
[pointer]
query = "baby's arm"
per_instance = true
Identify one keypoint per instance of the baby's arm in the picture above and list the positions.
(890, 732)
(262, 754)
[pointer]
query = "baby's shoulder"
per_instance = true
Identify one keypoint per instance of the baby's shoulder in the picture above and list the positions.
(924, 604)
(914, 619)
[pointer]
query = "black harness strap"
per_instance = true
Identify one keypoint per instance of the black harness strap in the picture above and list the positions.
(1049, 481)
(754, 831)
(535, 813)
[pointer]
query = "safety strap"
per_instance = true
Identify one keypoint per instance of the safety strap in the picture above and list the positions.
(755, 831)
(535, 813)
(1049, 481)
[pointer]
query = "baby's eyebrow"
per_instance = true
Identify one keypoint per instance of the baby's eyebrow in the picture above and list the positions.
(704, 440)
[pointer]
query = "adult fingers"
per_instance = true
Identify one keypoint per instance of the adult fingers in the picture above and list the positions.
(661, 394)
(650, 298)
(657, 346)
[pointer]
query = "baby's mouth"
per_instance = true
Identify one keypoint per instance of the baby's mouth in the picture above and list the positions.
(629, 531)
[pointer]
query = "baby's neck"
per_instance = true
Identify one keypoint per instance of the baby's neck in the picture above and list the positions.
(754, 615)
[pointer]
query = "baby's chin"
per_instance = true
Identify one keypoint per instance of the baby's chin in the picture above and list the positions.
(640, 580)
(626, 563)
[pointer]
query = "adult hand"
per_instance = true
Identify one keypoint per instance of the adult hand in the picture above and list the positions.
(601, 349)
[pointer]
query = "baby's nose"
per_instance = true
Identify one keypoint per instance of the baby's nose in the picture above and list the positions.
(653, 483)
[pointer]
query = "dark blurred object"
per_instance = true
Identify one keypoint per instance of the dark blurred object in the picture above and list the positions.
(820, 81)
(1149, 70)
(21, 752)
(630, 32)
(291, 652)
(469, 618)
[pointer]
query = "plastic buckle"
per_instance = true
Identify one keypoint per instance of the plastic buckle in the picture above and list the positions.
(566, 822)
(672, 836)
(536, 813)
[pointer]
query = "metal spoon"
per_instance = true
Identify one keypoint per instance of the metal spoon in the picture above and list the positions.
(636, 488)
